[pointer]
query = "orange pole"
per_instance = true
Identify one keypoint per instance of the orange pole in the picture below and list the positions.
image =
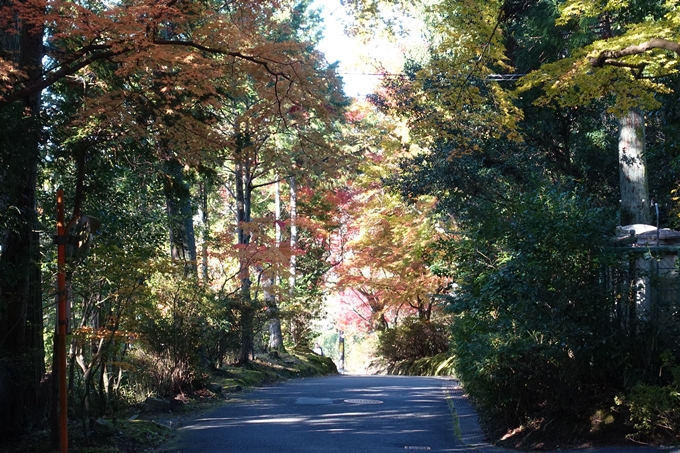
(61, 322)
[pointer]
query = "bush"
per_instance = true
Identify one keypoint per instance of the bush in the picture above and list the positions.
(655, 409)
(413, 339)
(438, 365)
(175, 325)
(533, 336)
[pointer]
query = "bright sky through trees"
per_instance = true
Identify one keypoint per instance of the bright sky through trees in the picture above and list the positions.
(359, 62)
(337, 46)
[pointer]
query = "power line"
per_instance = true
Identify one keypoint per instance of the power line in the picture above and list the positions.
(489, 78)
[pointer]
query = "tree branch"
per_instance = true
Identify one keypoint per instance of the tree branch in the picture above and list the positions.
(53, 77)
(104, 51)
(261, 61)
(609, 57)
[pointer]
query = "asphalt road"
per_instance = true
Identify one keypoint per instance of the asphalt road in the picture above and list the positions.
(354, 414)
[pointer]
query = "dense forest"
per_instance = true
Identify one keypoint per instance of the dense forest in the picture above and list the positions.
(481, 214)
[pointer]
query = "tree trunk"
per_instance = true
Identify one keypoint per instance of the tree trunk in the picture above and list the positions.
(243, 204)
(277, 213)
(275, 333)
(180, 215)
(635, 205)
(292, 279)
(205, 220)
(21, 342)
(293, 234)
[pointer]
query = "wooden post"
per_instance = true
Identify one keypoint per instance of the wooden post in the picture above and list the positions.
(61, 322)
(341, 351)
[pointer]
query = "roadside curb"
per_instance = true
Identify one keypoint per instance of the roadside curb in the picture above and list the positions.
(466, 423)
(469, 432)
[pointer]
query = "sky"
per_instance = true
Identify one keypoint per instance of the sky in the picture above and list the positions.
(359, 62)
(337, 46)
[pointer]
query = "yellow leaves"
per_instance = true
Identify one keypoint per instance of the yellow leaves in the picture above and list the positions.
(8, 70)
(576, 9)
(625, 67)
(389, 246)
(83, 335)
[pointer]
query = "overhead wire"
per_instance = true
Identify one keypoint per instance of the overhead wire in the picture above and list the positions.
(490, 77)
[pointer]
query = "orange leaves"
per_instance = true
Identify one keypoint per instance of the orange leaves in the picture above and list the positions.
(199, 44)
(9, 74)
(387, 257)
(83, 335)
(261, 251)
(27, 13)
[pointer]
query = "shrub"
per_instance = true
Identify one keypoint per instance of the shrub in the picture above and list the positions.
(533, 335)
(655, 409)
(413, 339)
(438, 365)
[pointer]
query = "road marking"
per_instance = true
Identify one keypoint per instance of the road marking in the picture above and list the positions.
(360, 401)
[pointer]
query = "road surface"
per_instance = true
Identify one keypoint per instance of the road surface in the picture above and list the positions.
(348, 414)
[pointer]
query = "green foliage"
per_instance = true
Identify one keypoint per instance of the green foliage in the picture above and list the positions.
(654, 409)
(180, 321)
(528, 201)
(532, 328)
(413, 339)
(299, 312)
(438, 365)
(591, 69)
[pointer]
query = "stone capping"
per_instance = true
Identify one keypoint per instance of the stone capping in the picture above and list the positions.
(644, 235)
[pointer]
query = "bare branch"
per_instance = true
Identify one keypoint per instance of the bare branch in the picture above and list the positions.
(53, 77)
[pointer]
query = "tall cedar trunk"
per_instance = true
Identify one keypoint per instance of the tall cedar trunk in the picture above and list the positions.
(635, 205)
(292, 280)
(293, 234)
(243, 199)
(275, 333)
(180, 215)
(205, 220)
(21, 342)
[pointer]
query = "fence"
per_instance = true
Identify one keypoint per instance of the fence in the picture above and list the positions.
(644, 283)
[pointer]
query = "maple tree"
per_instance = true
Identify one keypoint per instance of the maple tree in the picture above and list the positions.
(387, 265)
(262, 146)
(448, 92)
(632, 48)
(385, 273)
